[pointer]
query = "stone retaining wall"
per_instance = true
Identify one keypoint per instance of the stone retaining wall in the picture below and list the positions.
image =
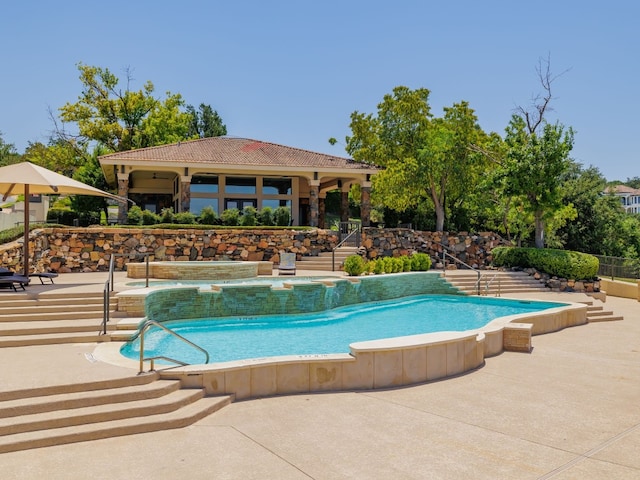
(89, 249)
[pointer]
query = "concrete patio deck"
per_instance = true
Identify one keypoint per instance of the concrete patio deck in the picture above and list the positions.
(567, 410)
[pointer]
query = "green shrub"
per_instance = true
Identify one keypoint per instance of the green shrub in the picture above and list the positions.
(230, 217)
(64, 216)
(249, 216)
(378, 266)
(397, 264)
(354, 265)
(282, 216)
(208, 216)
(134, 216)
(167, 215)
(88, 218)
(265, 217)
(560, 263)
(149, 217)
(184, 218)
(406, 263)
(420, 262)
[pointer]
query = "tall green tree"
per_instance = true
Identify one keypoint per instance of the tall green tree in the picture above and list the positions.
(534, 167)
(8, 153)
(120, 118)
(425, 160)
(205, 122)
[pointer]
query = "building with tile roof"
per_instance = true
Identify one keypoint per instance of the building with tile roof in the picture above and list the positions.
(630, 197)
(229, 172)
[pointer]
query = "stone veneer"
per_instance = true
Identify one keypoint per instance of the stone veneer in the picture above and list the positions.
(89, 249)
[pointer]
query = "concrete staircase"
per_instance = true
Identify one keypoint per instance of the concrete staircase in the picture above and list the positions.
(52, 318)
(324, 260)
(494, 282)
(57, 415)
(597, 313)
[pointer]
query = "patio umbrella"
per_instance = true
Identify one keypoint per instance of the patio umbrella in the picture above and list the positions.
(27, 179)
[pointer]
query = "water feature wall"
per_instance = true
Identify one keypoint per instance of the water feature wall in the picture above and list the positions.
(314, 296)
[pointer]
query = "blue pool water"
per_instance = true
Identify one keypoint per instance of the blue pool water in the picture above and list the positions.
(332, 331)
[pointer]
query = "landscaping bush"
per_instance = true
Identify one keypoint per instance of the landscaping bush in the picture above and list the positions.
(134, 216)
(406, 263)
(249, 216)
(420, 262)
(560, 263)
(64, 216)
(149, 217)
(378, 266)
(230, 217)
(166, 215)
(265, 217)
(282, 216)
(354, 265)
(208, 216)
(184, 218)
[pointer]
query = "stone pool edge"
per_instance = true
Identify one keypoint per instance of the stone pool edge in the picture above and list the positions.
(376, 364)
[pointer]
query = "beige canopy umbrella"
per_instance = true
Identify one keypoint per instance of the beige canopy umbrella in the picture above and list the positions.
(27, 179)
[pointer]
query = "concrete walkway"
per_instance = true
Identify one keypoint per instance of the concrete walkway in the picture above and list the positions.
(568, 410)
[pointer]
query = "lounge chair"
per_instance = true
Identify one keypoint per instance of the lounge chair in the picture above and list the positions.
(287, 264)
(42, 275)
(9, 279)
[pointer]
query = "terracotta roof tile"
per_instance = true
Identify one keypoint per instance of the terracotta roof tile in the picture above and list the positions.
(236, 151)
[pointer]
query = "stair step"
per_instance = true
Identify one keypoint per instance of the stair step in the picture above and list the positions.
(86, 398)
(76, 314)
(98, 413)
(52, 326)
(117, 382)
(94, 431)
(609, 318)
(52, 339)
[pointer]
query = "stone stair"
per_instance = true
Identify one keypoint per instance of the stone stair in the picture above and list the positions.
(52, 318)
(597, 313)
(56, 415)
(324, 260)
(493, 283)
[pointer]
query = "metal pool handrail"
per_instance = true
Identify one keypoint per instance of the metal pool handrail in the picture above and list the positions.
(108, 285)
(141, 333)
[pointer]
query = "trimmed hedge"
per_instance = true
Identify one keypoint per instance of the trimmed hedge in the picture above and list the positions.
(560, 263)
(355, 265)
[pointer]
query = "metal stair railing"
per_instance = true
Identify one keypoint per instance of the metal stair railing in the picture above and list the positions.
(349, 230)
(109, 285)
(444, 269)
(145, 326)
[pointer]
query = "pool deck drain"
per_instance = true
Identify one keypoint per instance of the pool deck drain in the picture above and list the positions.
(567, 410)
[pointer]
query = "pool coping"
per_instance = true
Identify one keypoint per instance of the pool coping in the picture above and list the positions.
(375, 364)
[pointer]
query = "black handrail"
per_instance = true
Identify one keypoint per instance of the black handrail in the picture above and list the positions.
(355, 232)
(444, 269)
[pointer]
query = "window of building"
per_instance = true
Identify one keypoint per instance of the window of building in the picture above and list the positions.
(243, 185)
(204, 184)
(239, 203)
(276, 203)
(198, 203)
(276, 186)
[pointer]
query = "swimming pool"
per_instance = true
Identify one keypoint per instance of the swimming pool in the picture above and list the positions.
(327, 332)
(277, 282)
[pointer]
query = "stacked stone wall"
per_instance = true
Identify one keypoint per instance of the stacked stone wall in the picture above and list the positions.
(90, 249)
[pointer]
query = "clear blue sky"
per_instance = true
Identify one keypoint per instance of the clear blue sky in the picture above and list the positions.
(292, 72)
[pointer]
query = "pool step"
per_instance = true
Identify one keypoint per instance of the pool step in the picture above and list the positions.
(599, 314)
(493, 283)
(39, 418)
(53, 318)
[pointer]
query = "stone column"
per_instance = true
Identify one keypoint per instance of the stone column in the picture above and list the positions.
(123, 191)
(314, 209)
(365, 204)
(185, 193)
(344, 204)
(322, 209)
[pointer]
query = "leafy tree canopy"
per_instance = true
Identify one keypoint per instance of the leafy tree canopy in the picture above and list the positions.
(122, 119)
(205, 122)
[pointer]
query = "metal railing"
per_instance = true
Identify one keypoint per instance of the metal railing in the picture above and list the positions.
(618, 267)
(349, 231)
(487, 284)
(109, 285)
(145, 326)
(444, 267)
